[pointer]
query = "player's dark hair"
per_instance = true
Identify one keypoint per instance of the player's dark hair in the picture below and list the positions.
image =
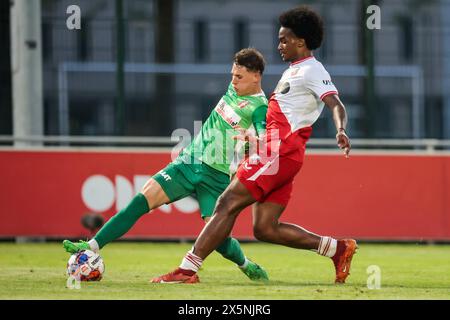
(250, 58)
(306, 24)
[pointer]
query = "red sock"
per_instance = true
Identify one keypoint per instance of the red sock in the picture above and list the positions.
(191, 263)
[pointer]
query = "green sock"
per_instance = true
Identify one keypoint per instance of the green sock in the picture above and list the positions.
(122, 221)
(231, 250)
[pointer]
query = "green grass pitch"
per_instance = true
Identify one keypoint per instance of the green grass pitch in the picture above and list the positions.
(37, 271)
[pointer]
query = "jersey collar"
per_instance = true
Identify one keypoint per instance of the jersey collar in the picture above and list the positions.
(260, 94)
(301, 60)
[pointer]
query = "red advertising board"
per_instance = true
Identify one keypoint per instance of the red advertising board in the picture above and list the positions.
(376, 196)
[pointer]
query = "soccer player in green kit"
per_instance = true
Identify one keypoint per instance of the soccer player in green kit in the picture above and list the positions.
(205, 166)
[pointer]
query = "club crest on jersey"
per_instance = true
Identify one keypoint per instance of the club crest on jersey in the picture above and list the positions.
(243, 104)
(283, 87)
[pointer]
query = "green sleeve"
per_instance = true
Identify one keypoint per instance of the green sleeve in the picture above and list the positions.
(259, 119)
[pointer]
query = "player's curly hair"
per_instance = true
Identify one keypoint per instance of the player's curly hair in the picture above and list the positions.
(250, 58)
(306, 24)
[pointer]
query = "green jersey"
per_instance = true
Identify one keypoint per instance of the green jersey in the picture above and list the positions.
(214, 144)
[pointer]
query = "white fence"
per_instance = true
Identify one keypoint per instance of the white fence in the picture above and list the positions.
(413, 73)
(428, 145)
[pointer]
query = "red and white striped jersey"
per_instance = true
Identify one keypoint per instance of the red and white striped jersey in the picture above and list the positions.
(296, 104)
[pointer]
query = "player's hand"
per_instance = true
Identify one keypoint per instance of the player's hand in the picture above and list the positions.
(343, 142)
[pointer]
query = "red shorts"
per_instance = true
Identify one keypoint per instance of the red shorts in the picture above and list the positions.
(270, 181)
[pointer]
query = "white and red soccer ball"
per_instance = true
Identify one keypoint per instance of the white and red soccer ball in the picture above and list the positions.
(86, 265)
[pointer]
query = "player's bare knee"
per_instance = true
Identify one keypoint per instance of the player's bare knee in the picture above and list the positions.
(154, 194)
(263, 232)
(222, 206)
(226, 205)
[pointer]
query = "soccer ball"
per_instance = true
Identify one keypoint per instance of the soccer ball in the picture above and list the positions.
(86, 265)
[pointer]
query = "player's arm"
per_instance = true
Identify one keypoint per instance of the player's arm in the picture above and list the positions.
(318, 80)
(253, 143)
(259, 123)
(336, 107)
(259, 120)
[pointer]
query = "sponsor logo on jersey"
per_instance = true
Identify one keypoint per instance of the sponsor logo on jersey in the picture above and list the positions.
(243, 104)
(283, 87)
(165, 176)
(227, 113)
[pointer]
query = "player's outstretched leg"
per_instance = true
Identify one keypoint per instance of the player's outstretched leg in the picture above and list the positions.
(117, 226)
(72, 247)
(341, 253)
(230, 249)
(342, 259)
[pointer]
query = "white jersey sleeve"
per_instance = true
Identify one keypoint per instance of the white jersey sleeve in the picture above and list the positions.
(318, 81)
(297, 99)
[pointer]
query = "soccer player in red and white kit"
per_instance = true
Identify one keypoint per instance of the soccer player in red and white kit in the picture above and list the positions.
(303, 90)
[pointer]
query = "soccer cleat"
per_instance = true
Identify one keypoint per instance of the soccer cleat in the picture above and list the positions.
(75, 247)
(176, 276)
(342, 260)
(255, 272)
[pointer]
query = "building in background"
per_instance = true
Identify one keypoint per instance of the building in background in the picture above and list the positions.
(199, 38)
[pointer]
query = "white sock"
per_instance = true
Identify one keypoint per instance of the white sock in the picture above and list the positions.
(245, 264)
(191, 262)
(327, 246)
(94, 245)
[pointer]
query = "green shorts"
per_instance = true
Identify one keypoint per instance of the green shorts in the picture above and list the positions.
(179, 180)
